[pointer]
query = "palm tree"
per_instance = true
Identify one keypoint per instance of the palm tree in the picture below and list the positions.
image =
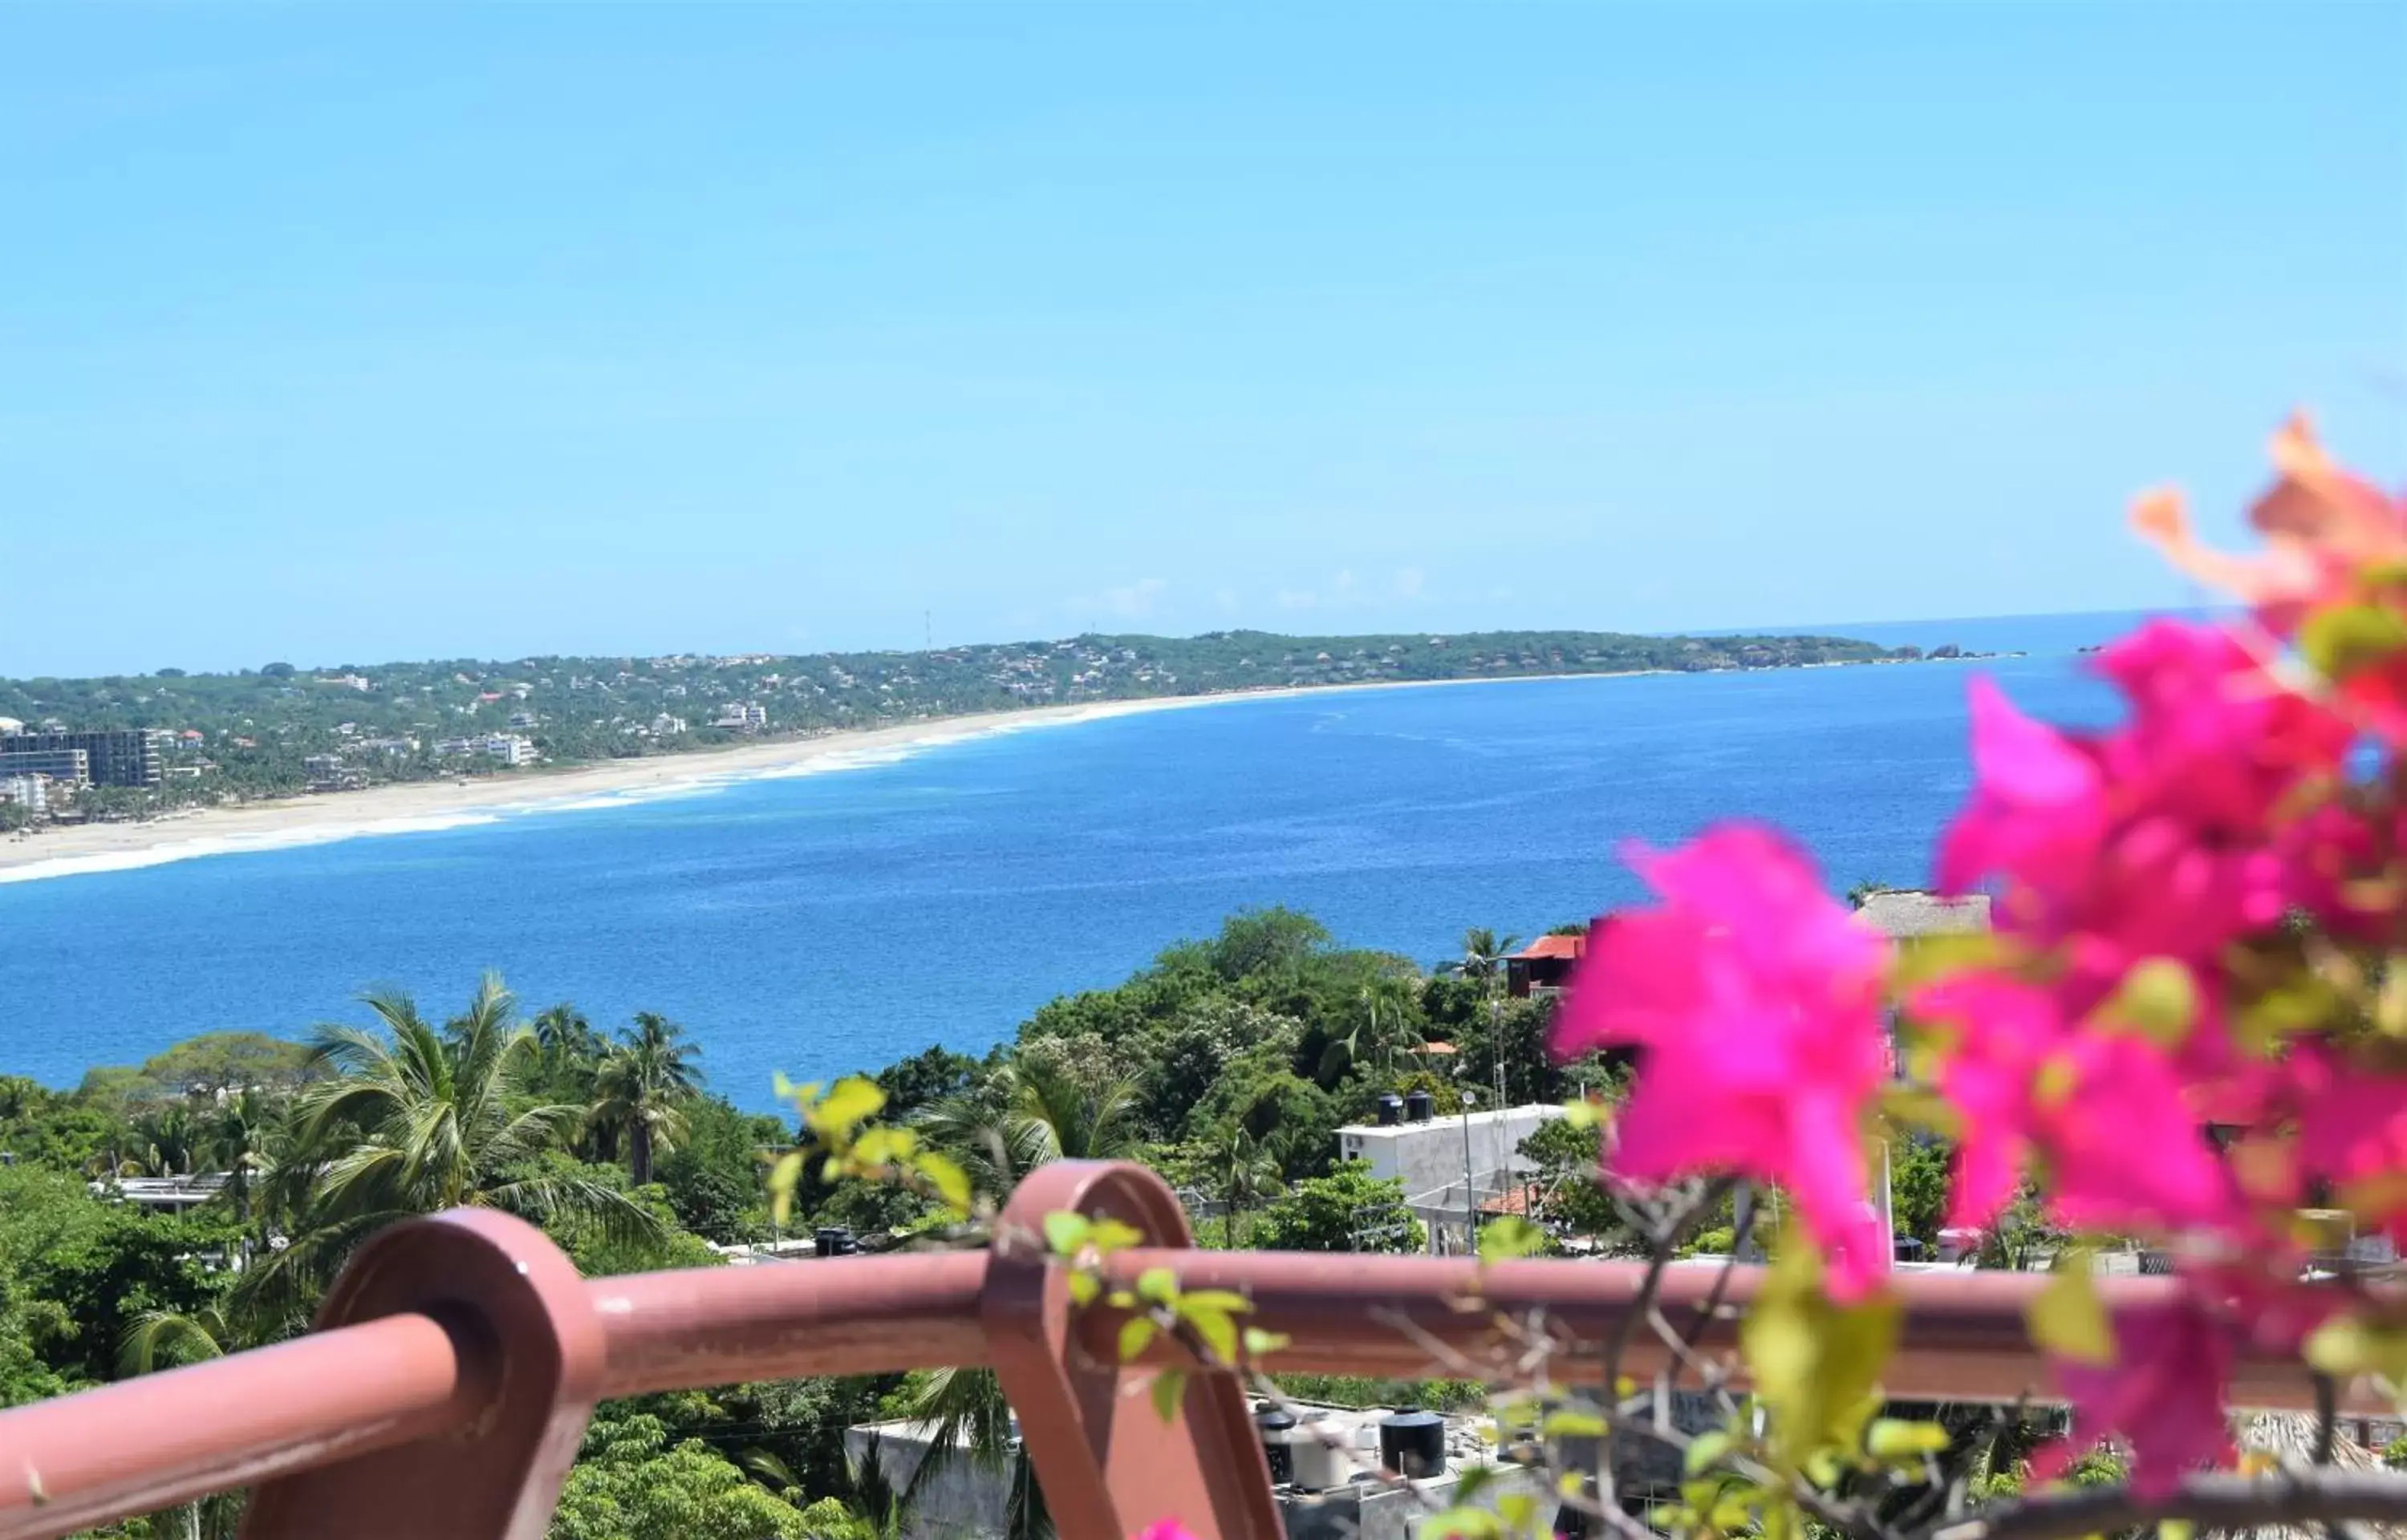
(162, 1339)
(1029, 1111)
(967, 1419)
(1051, 1115)
(1248, 1169)
(1368, 1038)
(239, 1135)
(415, 1120)
(640, 1087)
(167, 1141)
(1483, 954)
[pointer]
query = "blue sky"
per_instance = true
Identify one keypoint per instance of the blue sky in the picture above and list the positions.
(339, 334)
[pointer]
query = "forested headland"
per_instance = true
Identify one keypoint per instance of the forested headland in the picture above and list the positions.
(279, 730)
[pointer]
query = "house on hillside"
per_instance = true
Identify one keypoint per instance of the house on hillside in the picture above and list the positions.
(1543, 967)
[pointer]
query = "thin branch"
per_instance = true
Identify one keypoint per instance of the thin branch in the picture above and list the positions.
(2213, 1502)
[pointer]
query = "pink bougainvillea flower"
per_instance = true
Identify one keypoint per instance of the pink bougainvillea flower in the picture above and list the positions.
(2107, 1110)
(2351, 1131)
(2320, 524)
(2163, 1394)
(1755, 1001)
(1168, 1528)
(2038, 808)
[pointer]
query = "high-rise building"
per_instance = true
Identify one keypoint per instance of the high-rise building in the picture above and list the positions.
(72, 767)
(119, 756)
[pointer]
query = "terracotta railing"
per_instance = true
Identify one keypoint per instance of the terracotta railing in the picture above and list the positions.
(448, 1381)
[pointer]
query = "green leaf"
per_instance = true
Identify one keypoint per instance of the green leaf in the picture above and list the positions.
(2158, 999)
(2067, 1318)
(782, 1178)
(1896, 1440)
(1461, 1524)
(1573, 1422)
(1157, 1285)
(885, 1146)
(1518, 1510)
(1261, 1344)
(1219, 1332)
(1169, 1387)
(1136, 1332)
(1110, 1234)
(1471, 1480)
(1084, 1287)
(1223, 1300)
(1705, 1449)
(945, 1174)
(2175, 1529)
(1817, 1365)
(1065, 1234)
(2348, 638)
(1507, 1238)
(847, 1103)
(1580, 1112)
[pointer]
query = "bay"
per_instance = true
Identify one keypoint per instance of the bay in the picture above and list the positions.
(840, 921)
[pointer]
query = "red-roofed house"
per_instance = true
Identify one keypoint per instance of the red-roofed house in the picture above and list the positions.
(1543, 965)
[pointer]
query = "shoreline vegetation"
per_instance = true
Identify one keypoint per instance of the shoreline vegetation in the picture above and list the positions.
(1228, 1064)
(232, 790)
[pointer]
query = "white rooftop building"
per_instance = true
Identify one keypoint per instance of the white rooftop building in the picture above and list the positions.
(1434, 1152)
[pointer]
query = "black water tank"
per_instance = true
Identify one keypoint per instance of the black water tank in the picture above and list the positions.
(1277, 1428)
(1419, 1107)
(1392, 1111)
(835, 1240)
(1412, 1443)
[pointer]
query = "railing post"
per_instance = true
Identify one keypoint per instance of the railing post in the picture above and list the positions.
(1108, 1462)
(515, 1304)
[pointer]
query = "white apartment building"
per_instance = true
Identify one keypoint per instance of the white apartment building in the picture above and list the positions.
(1432, 1150)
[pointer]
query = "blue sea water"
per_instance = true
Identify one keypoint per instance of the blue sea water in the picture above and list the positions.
(839, 921)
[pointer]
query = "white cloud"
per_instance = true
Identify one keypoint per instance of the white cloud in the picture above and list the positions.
(1134, 601)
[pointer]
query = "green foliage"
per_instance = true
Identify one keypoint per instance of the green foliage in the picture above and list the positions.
(714, 1180)
(1328, 1213)
(258, 729)
(1572, 1198)
(1918, 1182)
(76, 1271)
(631, 1482)
(227, 1061)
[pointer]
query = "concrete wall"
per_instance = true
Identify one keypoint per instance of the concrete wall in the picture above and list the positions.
(962, 1499)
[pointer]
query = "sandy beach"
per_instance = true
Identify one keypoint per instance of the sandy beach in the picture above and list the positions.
(318, 818)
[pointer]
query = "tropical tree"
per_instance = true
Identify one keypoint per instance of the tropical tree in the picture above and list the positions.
(641, 1087)
(1245, 1169)
(417, 1119)
(965, 1417)
(1052, 1114)
(1483, 954)
(239, 1135)
(1371, 1039)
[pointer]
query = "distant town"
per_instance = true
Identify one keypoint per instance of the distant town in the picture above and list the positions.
(140, 746)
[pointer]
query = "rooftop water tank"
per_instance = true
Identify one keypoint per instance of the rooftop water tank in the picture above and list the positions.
(1277, 1431)
(1419, 1107)
(1412, 1443)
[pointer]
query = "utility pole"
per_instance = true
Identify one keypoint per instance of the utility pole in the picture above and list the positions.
(1470, 1189)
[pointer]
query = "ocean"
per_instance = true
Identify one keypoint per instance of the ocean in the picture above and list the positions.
(838, 920)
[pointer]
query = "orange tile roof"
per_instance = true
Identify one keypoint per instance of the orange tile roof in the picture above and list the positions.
(1553, 946)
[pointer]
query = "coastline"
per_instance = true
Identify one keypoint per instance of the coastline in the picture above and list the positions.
(424, 806)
